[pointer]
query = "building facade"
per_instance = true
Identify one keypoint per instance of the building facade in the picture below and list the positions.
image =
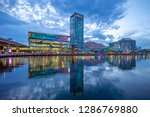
(127, 45)
(11, 46)
(77, 30)
(48, 43)
(115, 46)
(124, 45)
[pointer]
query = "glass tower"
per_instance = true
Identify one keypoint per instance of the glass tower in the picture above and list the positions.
(77, 30)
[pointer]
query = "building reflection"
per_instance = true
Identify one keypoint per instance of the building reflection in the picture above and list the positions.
(76, 76)
(47, 66)
(93, 60)
(123, 62)
(77, 72)
(10, 64)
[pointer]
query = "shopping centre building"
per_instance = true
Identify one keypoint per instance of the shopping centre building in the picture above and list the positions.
(48, 43)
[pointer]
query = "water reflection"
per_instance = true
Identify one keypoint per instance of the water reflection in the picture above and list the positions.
(86, 77)
(76, 76)
(47, 66)
(123, 62)
(10, 64)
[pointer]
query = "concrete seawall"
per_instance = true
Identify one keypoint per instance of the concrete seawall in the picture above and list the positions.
(24, 55)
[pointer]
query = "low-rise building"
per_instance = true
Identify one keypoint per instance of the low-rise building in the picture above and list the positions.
(48, 43)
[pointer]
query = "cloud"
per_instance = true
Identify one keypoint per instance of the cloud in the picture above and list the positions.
(105, 21)
(134, 25)
(100, 10)
(6, 19)
(34, 12)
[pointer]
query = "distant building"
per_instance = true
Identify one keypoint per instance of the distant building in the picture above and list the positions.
(123, 45)
(138, 48)
(115, 46)
(127, 44)
(77, 30)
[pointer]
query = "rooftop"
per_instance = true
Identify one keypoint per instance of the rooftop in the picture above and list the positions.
(77, 14)
(10, 41)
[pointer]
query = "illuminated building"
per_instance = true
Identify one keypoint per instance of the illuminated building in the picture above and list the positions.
(77, 30)
(48, 43)
(9, 45)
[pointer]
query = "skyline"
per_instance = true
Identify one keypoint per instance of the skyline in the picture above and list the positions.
(105, 21)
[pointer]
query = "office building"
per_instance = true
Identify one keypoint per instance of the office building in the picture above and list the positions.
(127, 45)
(124, 45)
(115, 46)
(77, 30)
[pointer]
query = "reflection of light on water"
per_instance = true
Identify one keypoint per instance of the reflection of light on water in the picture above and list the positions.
(68, 69)
(136, 58)
(99, 57)
(9, 61)
(87, 59)
(9, 50)
(83, 58)
(62, 64)
(119, 61)
(14, 69)
(4, 74)
(107, 68)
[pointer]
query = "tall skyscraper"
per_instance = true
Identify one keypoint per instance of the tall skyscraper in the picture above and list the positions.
(77, 30)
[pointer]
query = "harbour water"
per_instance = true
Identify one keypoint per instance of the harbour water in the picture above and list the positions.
(75, 78)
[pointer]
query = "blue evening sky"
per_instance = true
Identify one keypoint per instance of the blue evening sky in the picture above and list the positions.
(105, 20)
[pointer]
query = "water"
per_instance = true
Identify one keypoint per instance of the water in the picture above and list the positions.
(69, 78)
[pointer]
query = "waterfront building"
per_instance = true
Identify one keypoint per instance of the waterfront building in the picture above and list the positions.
(124, 45)
(48, 43)
(77, 30)
(9, 46)
(127, 45)
(115, 46)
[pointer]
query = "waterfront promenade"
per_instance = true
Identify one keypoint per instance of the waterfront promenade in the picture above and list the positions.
(76, 54)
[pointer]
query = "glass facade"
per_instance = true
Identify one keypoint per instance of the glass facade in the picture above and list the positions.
(127, 44)
(124, 45)
(77, 30)
(48, 42)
